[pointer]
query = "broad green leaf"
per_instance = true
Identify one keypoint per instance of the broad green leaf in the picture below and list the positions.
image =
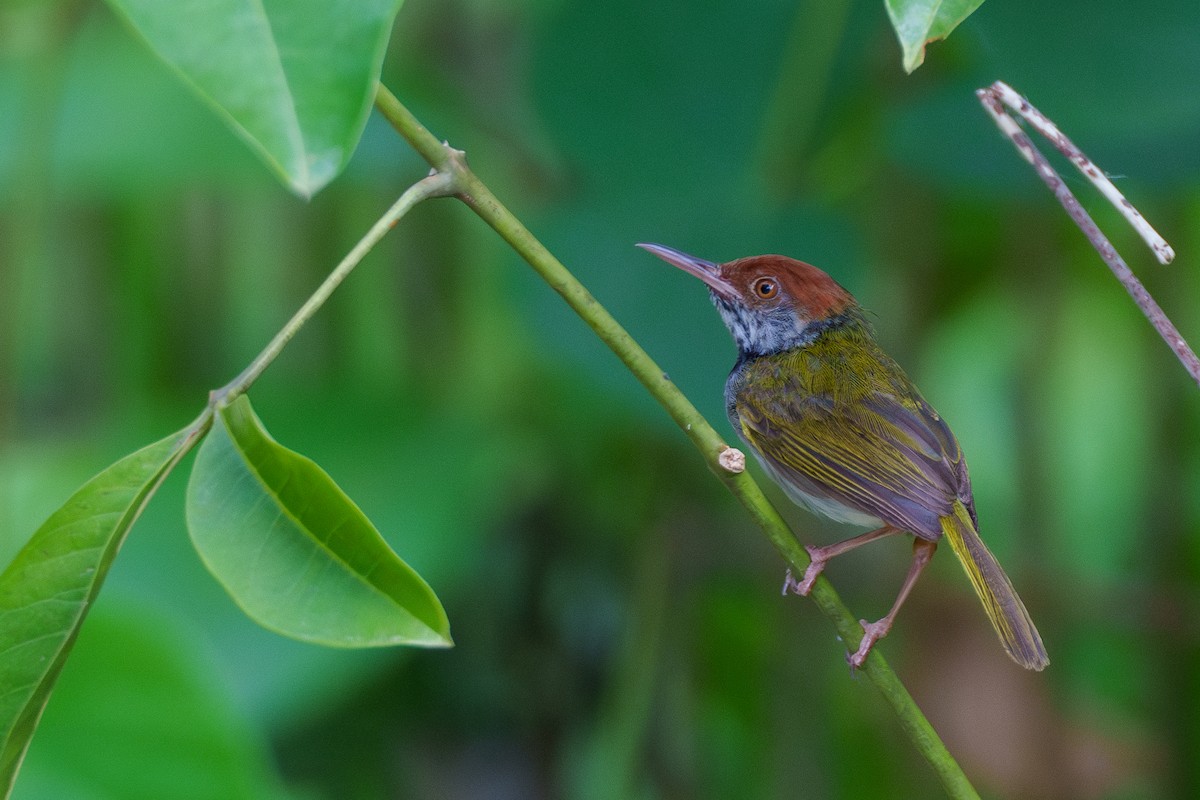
(294, 551)
(138, 713)
(295, 78)
(48, 588)
(919, 22)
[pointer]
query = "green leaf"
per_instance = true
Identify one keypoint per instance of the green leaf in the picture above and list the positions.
(143, 686)
(295, 78)
(294, 551)
(919, 22)
(48, 588)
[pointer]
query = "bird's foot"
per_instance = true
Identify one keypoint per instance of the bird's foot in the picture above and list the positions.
(803, 586)
(872, 633)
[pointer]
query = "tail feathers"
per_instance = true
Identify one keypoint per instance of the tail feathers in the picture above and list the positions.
(1006, 611)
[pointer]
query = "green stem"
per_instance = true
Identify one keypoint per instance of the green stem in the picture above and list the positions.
(471, 190)
(436, 184)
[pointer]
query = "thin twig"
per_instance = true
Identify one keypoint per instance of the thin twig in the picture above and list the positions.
(472, 191)
(994, 99)
(1007, 95)
(436, 184)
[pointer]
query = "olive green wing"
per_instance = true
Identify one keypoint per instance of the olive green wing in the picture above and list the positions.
(889, 456)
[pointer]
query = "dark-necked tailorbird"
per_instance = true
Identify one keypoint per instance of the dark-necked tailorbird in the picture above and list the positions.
(842, 429)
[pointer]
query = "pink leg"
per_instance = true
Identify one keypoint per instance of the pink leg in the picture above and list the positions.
(821, 555)
(874, 631)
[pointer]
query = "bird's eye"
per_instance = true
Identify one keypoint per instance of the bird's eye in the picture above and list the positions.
(766, 288)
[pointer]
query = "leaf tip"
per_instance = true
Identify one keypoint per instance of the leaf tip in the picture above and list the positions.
(912, 58)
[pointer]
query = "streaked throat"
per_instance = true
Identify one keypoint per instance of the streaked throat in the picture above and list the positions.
(761, 332)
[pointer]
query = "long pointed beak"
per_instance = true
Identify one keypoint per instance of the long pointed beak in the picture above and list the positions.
(706, 271)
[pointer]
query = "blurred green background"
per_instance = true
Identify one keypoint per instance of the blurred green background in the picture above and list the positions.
(619, 628)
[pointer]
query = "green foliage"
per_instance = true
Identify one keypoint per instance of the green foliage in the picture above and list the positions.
(46, 591)
(139, 714)
(294, 551)
(294, 78)
(604, 133)
(1099, 530)
(919, 22)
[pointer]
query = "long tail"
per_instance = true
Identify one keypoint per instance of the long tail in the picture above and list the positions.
(1006, 611)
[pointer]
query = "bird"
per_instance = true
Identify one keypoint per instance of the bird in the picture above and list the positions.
(843, 430)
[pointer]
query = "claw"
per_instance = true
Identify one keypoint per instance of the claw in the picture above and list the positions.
(815, 568)
(803, 586)
(872, 633)
(820, 557)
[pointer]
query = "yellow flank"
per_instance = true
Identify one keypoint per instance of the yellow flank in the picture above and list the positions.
(1004, 608)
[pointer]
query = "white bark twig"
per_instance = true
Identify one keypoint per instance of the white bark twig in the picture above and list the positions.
(1045, 127)
(1000, 95)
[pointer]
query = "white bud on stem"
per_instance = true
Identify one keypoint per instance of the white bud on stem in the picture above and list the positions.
(732, 460)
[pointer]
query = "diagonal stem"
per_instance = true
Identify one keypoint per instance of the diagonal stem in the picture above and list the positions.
(472, 191)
